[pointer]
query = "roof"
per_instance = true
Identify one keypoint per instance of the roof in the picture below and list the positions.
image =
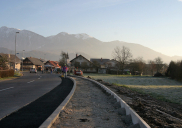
(35, 61)
(100, 61)
(54, 63)
(81, 56)
(42, 60)
(11, 57)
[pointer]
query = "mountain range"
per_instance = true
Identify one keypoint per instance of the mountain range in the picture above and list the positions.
(50, 47)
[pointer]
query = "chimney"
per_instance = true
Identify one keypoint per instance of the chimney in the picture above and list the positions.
(9, 56)
(76, 55)
(101, 59)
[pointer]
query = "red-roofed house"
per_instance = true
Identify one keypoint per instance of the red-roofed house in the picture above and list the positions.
(53, 64)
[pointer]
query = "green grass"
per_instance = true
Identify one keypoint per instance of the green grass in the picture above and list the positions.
(160, 88)
(17, 74)
(6, 78)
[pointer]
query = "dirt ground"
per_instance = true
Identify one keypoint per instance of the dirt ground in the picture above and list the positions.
(157, 113)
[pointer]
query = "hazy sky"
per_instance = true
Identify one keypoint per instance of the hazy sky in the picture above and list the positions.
(156, 24)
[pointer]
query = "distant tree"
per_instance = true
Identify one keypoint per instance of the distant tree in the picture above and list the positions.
(152, 66)
(122, 55)
(138, 64)
(108, 65)
(3, 62)
(64, 58)
(175, 70)
(84, 65)
(96, 64)
(158, 62)
(77, 64)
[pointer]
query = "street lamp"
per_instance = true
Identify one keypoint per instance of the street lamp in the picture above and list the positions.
(22, 60)
(15, 50)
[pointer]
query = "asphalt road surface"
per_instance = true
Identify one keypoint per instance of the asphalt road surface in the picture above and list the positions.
(14, 94)
(35, 113)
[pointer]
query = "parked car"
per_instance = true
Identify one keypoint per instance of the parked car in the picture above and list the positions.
(80, 73)
(34, 70)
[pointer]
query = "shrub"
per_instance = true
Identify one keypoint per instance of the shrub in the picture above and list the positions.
(6, 73)
(175, 70)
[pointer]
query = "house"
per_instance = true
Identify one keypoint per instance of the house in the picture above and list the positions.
(111, 64)
(101, 63)
(82, 63)
(31, 62)
(11, 61)
(42, 60)
(52, 64)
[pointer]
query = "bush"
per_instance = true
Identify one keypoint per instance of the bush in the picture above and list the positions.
(6, 73)
(175, 70)
(158, 74)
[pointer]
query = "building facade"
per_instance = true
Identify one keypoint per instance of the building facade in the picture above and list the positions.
(81, 63)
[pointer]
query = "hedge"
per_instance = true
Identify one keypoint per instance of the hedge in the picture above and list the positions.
(6, 73)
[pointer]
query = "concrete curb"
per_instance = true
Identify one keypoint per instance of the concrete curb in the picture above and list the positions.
(136, 119)
(52, 118)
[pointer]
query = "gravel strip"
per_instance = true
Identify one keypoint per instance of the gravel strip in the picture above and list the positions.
(90, 107)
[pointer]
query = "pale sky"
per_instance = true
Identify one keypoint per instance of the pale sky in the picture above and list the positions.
(156, 24)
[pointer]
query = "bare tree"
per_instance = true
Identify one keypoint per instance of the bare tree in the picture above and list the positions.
(77, 64)
(64, 57)
(138, 64)
(152, 66)
(122, 55)
(159, 63)
(84, 66)
(96, 64)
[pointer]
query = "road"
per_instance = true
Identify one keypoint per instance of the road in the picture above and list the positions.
(14, 94)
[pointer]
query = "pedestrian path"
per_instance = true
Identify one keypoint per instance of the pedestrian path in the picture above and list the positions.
(90, 107)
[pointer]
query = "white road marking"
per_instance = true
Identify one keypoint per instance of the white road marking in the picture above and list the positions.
(30, 81)
(38, 78)
(6, 89)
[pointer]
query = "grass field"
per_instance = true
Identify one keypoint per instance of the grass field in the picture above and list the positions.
(162, 88)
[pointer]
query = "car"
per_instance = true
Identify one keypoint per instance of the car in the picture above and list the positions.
(80, 73)
(34, 70)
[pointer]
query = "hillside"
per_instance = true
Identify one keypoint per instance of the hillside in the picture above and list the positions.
(50, 47)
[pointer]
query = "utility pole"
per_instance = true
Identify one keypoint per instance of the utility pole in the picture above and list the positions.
(22, 60)
(15, 50)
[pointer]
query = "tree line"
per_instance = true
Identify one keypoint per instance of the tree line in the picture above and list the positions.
(124, 58)
(175, 70)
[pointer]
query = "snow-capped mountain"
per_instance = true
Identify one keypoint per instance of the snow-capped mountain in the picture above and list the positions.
(36, 45)
(82, 36)
(29, 41)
